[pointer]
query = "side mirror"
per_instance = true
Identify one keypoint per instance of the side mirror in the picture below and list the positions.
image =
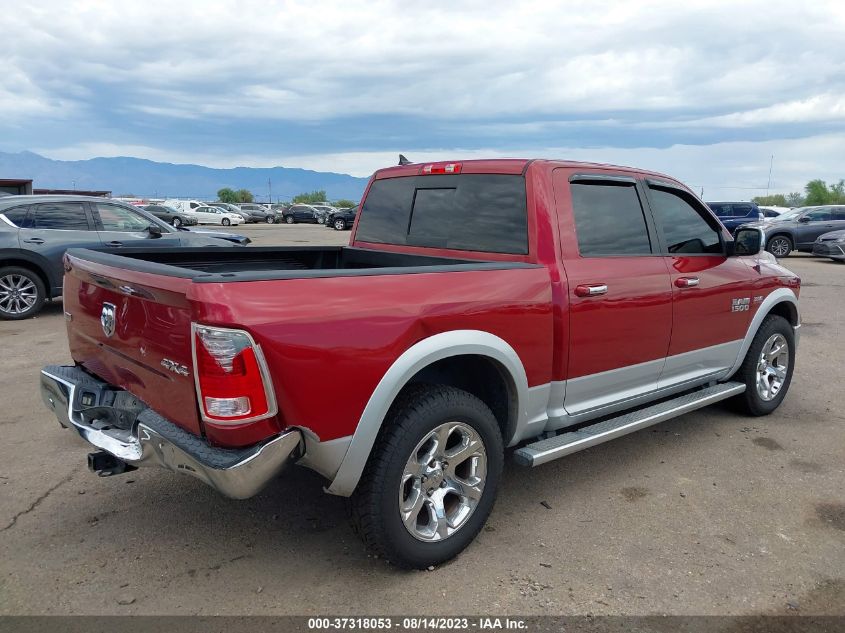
(748, 241)
(154, 230)
(803, 219)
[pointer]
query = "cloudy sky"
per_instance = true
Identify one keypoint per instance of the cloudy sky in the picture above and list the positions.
(706, 91)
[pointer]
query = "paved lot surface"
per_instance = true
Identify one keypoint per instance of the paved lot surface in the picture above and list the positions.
(710, 513)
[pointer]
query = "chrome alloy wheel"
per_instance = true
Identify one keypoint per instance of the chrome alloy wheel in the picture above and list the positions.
(772, 367)
(442, 482)
(779, 246)
(17, 294)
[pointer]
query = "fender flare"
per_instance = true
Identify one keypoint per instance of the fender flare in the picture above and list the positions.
(37, 260)
(780, 295)
(415, 358)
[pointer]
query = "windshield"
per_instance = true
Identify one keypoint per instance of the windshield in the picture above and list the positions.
(791, 215)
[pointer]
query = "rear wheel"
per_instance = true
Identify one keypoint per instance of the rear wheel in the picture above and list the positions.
(269, 219)
(779, 246)
(339, 225)
(226, 222)
(432, 477)
(22, 293)
(767, 368)
(176, 222)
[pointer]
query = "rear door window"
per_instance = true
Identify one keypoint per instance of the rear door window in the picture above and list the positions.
(609, 220)
(62, 216)
(17, 216)
(471, 212)
(116, 218)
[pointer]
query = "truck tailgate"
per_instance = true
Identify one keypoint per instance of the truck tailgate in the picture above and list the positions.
(133, 330)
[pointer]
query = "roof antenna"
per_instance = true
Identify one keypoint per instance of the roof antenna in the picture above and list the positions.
(403, 160)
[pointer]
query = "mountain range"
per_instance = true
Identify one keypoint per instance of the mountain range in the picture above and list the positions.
(145, 178)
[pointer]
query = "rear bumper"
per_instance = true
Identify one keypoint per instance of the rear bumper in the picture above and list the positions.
(139, 436)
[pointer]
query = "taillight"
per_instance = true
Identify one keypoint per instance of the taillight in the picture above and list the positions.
(233, 385)
(441, 168)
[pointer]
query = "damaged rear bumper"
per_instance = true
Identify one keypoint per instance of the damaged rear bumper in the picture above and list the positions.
(141, 437)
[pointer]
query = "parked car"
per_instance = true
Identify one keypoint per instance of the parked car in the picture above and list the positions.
(773, 212)
(35, 232)
(234, 238)
(830, 245)
(302, 213)
(172, 216)
(341, 219)
(323, 212)
(734, 214)
(216, 215)
(258, 212)
(230, 208)
(480, 305)
(799, 228)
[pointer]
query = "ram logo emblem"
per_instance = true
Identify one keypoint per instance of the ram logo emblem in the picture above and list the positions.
(108, 319)
(740, 305)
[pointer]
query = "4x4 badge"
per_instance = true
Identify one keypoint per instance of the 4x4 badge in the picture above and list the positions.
(108, 319)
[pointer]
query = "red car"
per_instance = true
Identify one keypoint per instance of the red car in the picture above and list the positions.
(482, 307)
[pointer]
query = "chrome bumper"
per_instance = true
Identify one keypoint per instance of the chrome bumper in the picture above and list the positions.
(155, 441)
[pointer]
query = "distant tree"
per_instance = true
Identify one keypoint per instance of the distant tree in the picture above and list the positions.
(310, 198)
(344, 202)
(244, 195)
(775, 200)
(838, 192)
(818, 193)
(794, 199)
(228, 195)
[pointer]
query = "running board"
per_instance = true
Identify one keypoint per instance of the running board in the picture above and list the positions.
(574, 441)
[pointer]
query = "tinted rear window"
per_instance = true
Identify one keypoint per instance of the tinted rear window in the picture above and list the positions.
(469, 212)
(609, 220)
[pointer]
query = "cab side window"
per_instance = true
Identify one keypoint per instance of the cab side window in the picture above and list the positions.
(115, 218)
(818, 215)
(59, 216)
(684, 228)
(609, 220)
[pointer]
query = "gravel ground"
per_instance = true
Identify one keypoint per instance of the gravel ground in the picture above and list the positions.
(711, 513)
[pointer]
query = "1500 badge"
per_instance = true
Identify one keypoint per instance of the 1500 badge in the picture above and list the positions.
(740, 305)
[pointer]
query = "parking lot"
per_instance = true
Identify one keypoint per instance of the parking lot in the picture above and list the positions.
(711, 513)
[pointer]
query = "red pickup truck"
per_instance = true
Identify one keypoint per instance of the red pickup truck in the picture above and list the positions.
(537, 306)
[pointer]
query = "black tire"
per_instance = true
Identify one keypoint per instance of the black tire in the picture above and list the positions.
(751, 402)
(339, 224)
(22, 279)
(374, 510)
(176, 222)
(269, 219)
(226, 222)
(289, 219)
(780, 246)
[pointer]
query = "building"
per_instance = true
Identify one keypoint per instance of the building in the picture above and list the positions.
(71, 192)
(15, 186)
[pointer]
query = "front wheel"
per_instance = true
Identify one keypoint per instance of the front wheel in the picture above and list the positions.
(779, 246)
(226, 222)
(22, 293)
(269, 219)
(339, 225)
(289, 219)
(767, 368)
(431, 479)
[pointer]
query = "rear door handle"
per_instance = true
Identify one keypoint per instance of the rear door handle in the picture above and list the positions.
(687, 282)
(590, 290)
(114, 243)
(34, 240)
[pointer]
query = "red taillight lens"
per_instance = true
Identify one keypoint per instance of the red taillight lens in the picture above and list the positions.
(441, 168)
(233, 385)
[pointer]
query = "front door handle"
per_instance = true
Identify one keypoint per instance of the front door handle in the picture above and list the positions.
(590, 290)
(687, 282)
(114, 243)
(34, 240)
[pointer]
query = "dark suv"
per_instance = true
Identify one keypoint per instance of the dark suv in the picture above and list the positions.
(798, 229)
(35, 232)
(734, 214)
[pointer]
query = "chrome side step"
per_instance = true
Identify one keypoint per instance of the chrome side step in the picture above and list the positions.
(574, 441)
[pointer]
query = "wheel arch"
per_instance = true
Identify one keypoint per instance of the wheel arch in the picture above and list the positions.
(782, 302)
(437, 358)
(40, 268)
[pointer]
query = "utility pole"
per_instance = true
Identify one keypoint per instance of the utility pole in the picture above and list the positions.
(270, 190)
(769, 182)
